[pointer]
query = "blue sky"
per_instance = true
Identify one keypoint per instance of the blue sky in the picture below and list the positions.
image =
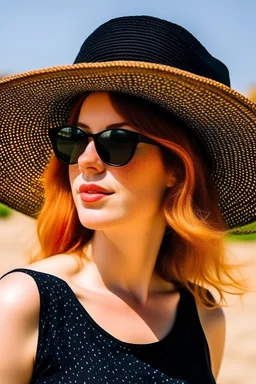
(42, 33)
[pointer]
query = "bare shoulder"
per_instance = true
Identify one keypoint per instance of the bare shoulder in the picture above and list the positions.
(63, 265)
(15, 289)
(19, 294)
(214, 326)
(19, 297)
(19, 315)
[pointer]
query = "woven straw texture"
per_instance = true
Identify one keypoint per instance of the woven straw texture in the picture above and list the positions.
(224, 120)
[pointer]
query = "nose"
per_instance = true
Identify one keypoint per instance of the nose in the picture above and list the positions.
(89, 160)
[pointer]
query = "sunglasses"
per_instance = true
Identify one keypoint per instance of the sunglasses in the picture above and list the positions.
(115, 147)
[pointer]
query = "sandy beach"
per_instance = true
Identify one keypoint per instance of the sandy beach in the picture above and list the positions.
(17, 233)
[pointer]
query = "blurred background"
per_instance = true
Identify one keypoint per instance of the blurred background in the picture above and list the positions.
(42, 33)
(37, 34)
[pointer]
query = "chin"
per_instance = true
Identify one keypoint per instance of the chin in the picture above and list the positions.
(97, 221)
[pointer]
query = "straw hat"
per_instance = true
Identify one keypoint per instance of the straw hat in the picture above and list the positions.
(143, 56)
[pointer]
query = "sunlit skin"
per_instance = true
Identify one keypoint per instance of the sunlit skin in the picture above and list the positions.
(137, 187)
(129, 223)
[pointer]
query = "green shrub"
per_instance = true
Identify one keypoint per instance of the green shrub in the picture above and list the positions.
(4, 211)
(248, 233)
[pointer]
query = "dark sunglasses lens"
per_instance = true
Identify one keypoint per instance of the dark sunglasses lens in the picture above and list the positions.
(116, 146)
(70, 143)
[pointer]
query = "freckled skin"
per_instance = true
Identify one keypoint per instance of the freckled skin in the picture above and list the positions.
(137, 187)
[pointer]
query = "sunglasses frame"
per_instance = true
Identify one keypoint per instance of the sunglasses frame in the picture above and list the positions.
(135, 136)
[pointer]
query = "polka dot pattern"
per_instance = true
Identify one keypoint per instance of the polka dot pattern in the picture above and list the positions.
(72, 348)
(224, 121)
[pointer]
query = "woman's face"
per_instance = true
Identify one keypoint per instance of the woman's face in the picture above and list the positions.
(107, 196)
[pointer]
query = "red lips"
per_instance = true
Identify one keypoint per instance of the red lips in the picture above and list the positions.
(90, 193)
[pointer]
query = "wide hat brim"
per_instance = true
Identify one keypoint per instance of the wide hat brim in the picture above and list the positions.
(223, 120)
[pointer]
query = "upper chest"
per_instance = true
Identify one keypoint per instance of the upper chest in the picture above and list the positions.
(127, 321)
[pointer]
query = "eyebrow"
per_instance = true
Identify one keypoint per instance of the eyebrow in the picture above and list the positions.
(115, 125)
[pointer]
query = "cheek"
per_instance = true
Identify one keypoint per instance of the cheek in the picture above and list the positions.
(143, 173)
(73, 172)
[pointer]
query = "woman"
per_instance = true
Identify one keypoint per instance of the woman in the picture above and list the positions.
(153, 163)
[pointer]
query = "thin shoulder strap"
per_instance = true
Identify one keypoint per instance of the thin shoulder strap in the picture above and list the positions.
(43, 280)
(24, 270)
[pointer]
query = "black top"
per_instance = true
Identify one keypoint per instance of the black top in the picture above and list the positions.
(72, 348)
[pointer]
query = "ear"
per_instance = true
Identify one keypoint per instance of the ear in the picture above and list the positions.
(171, 179)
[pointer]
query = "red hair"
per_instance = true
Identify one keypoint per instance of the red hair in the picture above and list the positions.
(192, 251)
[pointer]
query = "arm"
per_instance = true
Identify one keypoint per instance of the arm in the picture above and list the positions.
(214, 326)
(19, 315)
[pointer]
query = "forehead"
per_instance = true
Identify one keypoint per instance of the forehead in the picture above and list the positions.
(97, 113)
(98, 103)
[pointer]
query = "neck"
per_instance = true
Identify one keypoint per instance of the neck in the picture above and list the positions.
(124, 261)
